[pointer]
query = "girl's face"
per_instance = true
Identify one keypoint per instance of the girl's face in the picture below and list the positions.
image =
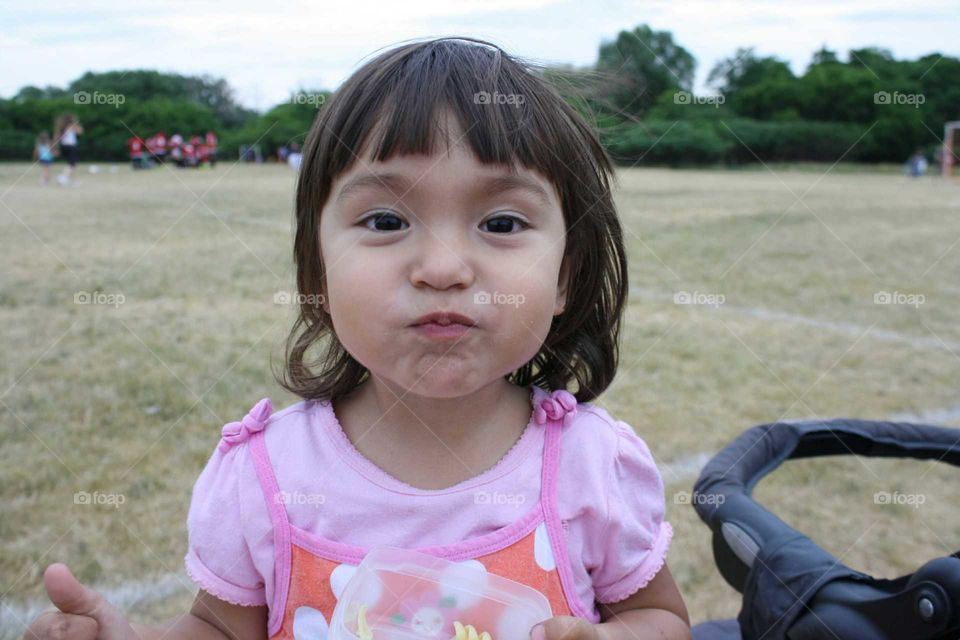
(421, 234)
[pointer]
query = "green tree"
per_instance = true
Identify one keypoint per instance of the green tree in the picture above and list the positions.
(36, 93)
(285, 123)
(640, 65)
(838, 93)
(823, 56)
(754, 86)
(142, 84)
(937, 78)
(878, 61)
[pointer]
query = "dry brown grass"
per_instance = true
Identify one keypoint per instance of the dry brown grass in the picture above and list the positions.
(129, 400)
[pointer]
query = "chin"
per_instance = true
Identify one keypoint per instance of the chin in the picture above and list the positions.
(445, 382)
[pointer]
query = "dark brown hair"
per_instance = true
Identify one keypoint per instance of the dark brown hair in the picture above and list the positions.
(393, 100)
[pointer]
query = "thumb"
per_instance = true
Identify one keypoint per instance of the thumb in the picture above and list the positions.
(562, 628)
(66, 592)
(70, 596)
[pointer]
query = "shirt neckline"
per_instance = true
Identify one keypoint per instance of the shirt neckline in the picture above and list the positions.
(378, 476)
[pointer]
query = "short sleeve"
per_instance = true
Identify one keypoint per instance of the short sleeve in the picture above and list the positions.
(218, 557)
(631, 546)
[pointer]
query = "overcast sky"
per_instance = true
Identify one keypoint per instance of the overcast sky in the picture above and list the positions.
(265, 50)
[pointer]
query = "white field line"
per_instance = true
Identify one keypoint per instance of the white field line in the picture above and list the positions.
(846, 328)
(932, 416)
(687, 468)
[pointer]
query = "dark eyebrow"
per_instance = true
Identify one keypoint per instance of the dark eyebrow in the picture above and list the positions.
(395, 183)
(510, 182)
(398, 184)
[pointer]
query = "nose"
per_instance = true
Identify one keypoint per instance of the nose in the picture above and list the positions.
(442, 259)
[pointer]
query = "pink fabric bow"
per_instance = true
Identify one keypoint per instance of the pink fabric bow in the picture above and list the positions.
(560, 404)
(237, 432)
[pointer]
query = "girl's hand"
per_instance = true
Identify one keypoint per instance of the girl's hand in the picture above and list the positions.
(84, 614)
(565, 628)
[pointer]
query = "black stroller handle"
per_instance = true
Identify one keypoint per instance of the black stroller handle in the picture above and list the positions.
(792, 589)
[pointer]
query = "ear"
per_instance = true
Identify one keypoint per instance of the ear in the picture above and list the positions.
(563, 283)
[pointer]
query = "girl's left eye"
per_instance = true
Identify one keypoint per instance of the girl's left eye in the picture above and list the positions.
(502, 223)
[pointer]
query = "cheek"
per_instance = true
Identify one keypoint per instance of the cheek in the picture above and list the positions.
(352, 271)
(524, 312)
(531, 289)
(360, 298)
(532, 315)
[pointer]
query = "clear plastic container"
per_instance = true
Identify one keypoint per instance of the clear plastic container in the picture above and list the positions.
(409, 595)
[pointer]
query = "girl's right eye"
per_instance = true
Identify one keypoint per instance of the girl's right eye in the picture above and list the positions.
(384, 218)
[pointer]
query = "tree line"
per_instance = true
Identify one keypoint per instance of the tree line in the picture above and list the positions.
(867, 107)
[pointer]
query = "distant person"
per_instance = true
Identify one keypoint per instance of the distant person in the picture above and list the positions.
(152, 149)
(150, 145)
(176, 149)
(135, 145)
(190, 153)
(203, 155)
(43, 153)
(160, 146)
(917, 164)
(66, 131)
(294, 157)
(211, 142)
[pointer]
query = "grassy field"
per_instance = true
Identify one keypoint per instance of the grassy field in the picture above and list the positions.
(126, 397)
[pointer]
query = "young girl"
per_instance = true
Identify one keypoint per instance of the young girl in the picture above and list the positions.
(459, 263)
(67, 129)
(43, 153)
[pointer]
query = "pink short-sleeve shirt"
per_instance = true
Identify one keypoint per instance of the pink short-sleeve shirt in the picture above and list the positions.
(609, 495)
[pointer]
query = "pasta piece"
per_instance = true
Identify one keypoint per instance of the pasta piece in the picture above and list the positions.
(468, 632)
(363, 630)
